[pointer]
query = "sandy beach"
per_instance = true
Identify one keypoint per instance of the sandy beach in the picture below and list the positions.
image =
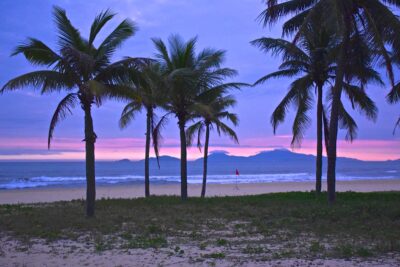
(85, 250)
(133, 191)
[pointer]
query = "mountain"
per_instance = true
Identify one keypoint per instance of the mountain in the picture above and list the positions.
(275, 161)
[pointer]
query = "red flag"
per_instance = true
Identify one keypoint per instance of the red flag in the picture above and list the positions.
(237, 172)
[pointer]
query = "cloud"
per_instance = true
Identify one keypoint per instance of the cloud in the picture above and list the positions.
(29, 152)
(219, 152)
(133, 148)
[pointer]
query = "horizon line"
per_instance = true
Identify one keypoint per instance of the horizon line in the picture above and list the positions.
(189, 160)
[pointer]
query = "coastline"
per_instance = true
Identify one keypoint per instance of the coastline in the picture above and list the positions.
(52, 194)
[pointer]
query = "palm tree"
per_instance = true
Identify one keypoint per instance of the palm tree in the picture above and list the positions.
(77, 65)
(208, 120)
(147, 95)
(394, 97)
(188, 78)
(312, 57)
(370, 22)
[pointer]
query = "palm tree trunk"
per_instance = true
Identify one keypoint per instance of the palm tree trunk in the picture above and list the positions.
(147, 154)
(326, 130)
(184, 194)
(318, 172)
(334, 120)
(203, 188)
(90, 139)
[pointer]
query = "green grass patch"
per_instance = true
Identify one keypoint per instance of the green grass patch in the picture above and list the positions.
(222, 242)
(219, 255)
(146, 242)
(369, 220)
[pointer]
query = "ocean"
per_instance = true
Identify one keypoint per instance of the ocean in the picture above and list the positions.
(20, 175)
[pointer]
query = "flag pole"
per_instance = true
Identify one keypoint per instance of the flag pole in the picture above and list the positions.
(237, 175)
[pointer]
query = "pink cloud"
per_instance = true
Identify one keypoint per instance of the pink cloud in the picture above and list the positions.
(133, 148)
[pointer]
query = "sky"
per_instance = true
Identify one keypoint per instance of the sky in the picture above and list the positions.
(224, 24)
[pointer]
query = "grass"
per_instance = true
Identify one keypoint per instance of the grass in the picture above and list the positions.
(272, 225)
(219, 255)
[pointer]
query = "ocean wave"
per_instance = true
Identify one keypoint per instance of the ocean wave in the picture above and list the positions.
(46, 181)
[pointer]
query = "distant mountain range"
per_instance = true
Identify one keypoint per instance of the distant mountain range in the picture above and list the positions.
(275, 161)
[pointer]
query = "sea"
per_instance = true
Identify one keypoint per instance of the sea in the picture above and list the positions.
(21, 175)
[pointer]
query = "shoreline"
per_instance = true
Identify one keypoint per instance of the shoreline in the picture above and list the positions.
(52, 194)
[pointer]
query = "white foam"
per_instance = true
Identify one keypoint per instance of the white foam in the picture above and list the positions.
(45, 181)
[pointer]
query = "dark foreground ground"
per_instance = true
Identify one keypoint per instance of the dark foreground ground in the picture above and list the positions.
(361, 228)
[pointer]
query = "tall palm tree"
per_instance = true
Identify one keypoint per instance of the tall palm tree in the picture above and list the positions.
(188, 78)
(372, 22)
(147, 85)
(80, 68)
(208, 120)
(313, 58)
(394, 95)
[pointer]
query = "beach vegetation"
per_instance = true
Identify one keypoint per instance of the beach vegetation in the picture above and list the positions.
(279, 225)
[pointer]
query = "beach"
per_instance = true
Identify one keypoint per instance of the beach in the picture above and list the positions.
(288, 229)
(209, 247)
(51, 194)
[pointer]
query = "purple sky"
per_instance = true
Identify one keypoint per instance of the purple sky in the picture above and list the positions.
(222, 24)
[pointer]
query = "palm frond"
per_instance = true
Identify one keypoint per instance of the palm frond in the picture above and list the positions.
(275, 10)
(68, 34)
(360, 100)
(295, 65)
(192, 131)
(278, 74)
(62, 111)
(162, 52)
(297, 89)
(156, 133)
(210, 59)
(394, 94)
(302, 120)
(213, 93)
(115, 39)
(98, 23)
(37, 52)
(200, 109)
(347, 123)
(293, 23)
(225, 129)
(397, 124)
(232, 117)
(46, 80)
(287, 49)
(128, 114)
(119, 92)
(121, 70)
(384, 28)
